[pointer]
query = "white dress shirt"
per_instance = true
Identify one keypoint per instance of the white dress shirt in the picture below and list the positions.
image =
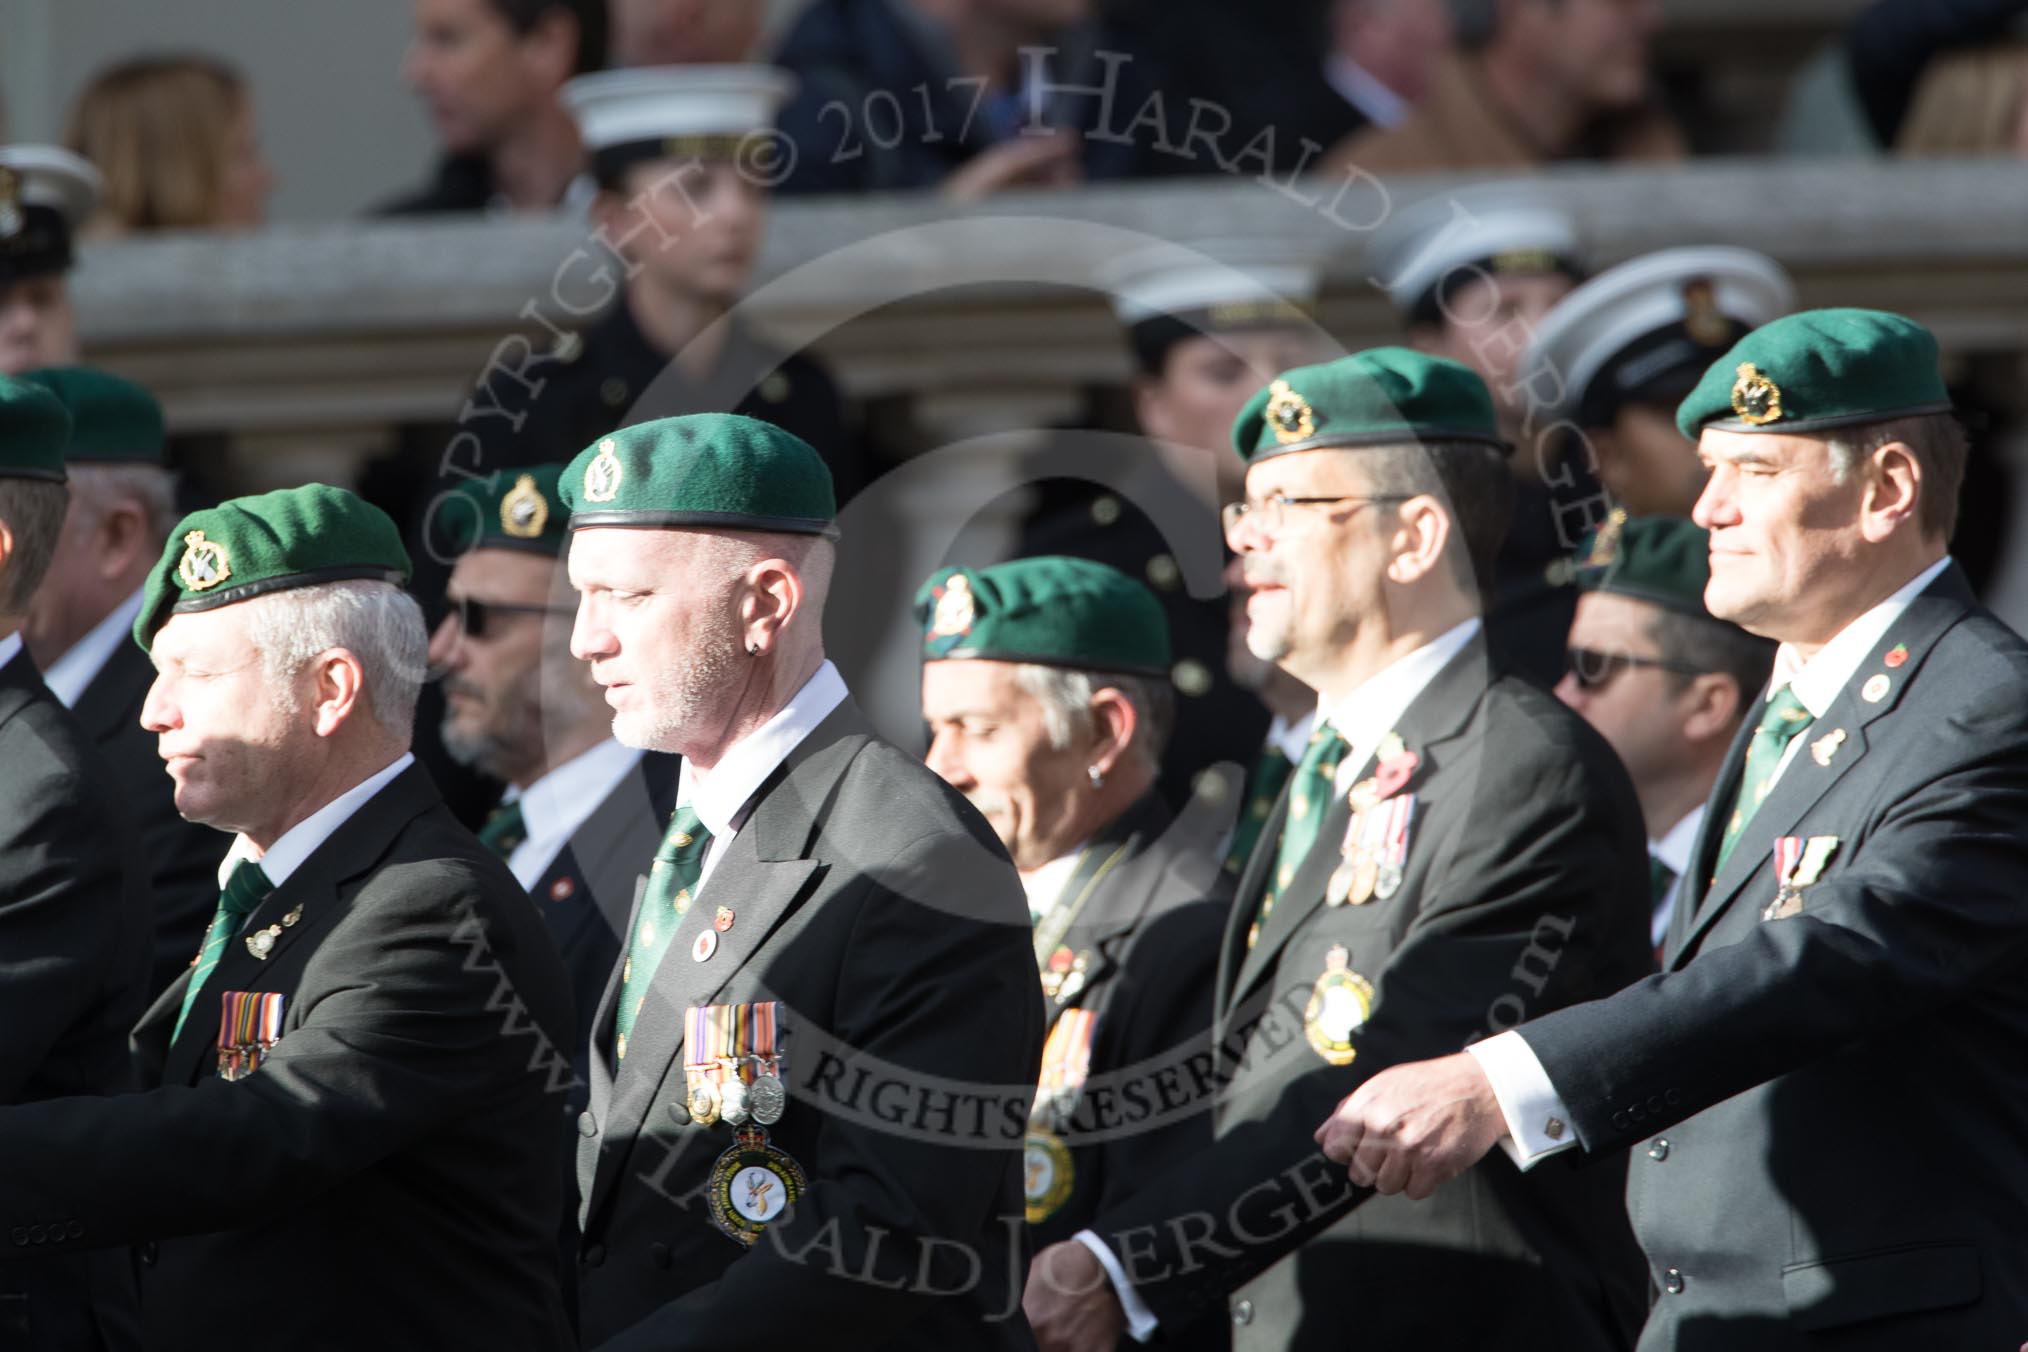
(8, 647)
(556, 805)
(1673, 850)
(1528, 1101)
(297, 843)
(1291, 738)
(722, 799)
(1368, 714)
(69, 675)
(1363, 90)
(1045, 884)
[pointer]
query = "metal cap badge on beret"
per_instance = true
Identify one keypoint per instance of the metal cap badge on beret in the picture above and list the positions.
(704, 471)
(1665, 560)
(34, 429)
(1645, 331)
(113, 420)
(1051, 610)
(1381, 397)
(517, 509)
(254, 546)
(46, 192)
(1818, 370)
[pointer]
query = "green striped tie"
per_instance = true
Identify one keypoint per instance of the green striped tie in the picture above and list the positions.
(1270, 771)
(1783, 719)
(678, 863)
(1310, 796)
(505, 829)
(244, 888)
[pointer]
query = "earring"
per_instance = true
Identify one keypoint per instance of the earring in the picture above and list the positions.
(753, 650)
(1098, 778)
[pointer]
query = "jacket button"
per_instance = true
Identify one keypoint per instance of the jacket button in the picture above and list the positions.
(1672, 1282)
(148, 1254)
(1637, 1113)
(1620, 1120)
(1673, 1097)
(593, 1256)
(20, 1235)
(38, 1234)
(587, 1125)
(659, 1255)
(75, 1230)
(1659, 1148)
(1242, 1312)
(679, 1114)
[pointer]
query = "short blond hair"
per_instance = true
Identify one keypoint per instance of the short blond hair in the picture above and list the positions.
(1968, 103)
(157, 128)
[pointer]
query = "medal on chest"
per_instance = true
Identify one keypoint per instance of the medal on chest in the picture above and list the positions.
(1374, 852)
(1340, 1004)
(732, 1070)
(1048, 1170)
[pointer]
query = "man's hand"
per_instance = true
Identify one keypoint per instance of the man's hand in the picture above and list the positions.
(1414, 1128)
(1070, 1302)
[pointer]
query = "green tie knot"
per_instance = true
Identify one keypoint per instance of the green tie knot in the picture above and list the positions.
(506, 827)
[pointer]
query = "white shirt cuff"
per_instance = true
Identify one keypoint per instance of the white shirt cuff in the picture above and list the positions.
(1140, 1320)
(1538, 1125)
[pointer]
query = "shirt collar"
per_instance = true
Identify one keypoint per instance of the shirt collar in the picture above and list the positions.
(8, 647)
(559, 802)
(1364, 91)
(1290, 737)
(1044, 885)
(742, 770)
(1382, 698)
(1818, 681)
(297, 844)
(69, 676)
(1673, 849)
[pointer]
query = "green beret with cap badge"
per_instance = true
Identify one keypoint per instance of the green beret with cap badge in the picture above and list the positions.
(113, 420)
(704, 471)
(1819, 370)
(255, 546)
(518, 509)
(34, 429)
(1051, 610)
(1665, 560)
(1386, 396)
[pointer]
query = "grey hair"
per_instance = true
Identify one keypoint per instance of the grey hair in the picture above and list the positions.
(1066, 695)
(33, 510)
(376, 622)
(97, 486)
(1939, 445)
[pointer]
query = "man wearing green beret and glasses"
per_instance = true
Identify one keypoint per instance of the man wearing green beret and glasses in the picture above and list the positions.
(80, 626)
(828, 928)
(368, 1041)
(74, 907)
(1455, 850)
(1824, 1086)
(1663, 681)
(1045, 688)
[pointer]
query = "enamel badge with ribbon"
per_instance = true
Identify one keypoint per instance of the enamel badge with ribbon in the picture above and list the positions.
(1798, 864)
(1047, 1170)
(732, 1068)
(1340, 1004)
(249, 1023)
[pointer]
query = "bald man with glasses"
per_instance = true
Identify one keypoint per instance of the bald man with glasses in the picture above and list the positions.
(1661, 679)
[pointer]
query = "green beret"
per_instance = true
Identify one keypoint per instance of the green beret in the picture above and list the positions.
(705, 471)
(34, 429)
(248, 547)
(1817, 370)
(1060, 612)
(510, 509)
(113, 420)
(1387, 396)
(1665, 560)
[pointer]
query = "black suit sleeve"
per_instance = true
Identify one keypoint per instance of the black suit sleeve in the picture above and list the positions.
(1534, 900)
(65, 913)
(894, 1209)
(410, 1028)
(1927, 911)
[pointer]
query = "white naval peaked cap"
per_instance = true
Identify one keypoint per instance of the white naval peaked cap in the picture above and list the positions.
(50, 176)
(1676, 310)
(1243, 280)
(1500, 227)
(657, 103)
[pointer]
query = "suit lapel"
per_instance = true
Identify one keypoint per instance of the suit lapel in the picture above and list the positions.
(1808, 777)
(353, 849)
(764, 874)
(1122, 888)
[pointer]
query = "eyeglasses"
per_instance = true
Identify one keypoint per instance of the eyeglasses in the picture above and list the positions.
(475, 617)
(1270, 513)
(1594, 670)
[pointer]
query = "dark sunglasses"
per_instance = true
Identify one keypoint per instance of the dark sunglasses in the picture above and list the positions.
(1594, 670)
(474, 618)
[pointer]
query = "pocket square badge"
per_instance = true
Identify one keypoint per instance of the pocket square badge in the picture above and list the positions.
(1799, 863)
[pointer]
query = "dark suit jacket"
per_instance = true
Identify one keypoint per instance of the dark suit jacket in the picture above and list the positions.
(872, 902)
(388, 1177)
(181, 857)
(1525, 853)
(73, 960)
(1828, 1106)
